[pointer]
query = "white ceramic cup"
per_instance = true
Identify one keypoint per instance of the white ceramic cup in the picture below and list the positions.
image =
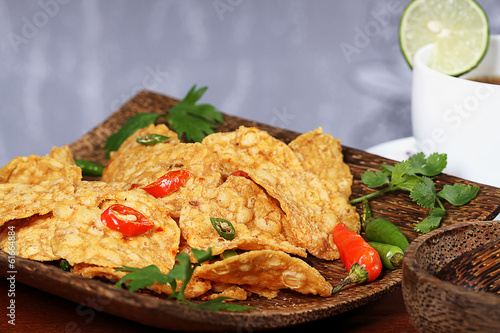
(459, 117)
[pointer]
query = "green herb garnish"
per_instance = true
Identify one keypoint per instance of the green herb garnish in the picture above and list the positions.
(140, 278)
(195, 121)
(134, 123)
(415, 175)
(187, 118)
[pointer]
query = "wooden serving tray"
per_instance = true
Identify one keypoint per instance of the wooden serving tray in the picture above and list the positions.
(289, 308)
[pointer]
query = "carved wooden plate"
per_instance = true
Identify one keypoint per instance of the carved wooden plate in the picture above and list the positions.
(288, 308)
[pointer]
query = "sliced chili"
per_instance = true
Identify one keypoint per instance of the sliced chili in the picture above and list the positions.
(228, 254)
(223, 227)
(127, 227)
(64, 264)
(167, 183)
(151, 139)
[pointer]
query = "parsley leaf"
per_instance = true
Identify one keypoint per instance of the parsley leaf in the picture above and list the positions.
(401, 178)
(374, 179)
(458, 194)
(387, 169)
(186, 118)
(140, 278)
(424, 193)
(218, 304)
(194, 121)
(414, 175)
(432, 221)
(181, 271)
(201, 255)
(430, 167)
(138, 121)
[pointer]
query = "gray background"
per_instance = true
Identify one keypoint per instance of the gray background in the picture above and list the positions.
(67, 65)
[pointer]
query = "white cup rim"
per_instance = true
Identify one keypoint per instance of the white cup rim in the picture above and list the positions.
(457, 116)
(421, 59)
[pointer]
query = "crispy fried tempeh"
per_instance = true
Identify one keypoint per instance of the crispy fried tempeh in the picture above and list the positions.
(321, 154)
(81, 237)
(267, 269)
(19, 201)
(256, 217)
(34, 169)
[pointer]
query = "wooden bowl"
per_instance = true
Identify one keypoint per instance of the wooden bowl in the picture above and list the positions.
(436, 305)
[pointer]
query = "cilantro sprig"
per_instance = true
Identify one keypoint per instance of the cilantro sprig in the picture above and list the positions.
(141, 278)
(190, 120)
(415, 175)
(195, 121)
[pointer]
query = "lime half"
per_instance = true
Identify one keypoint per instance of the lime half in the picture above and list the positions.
(458, 29)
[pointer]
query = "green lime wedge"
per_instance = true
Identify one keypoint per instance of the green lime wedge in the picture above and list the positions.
(459, 30)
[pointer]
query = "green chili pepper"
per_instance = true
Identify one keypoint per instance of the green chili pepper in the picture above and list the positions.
(367, 212)
(391, 255)
(64, 264)
(229, 253)
(90, 168)
(151, 139)
(223, 227)
(382, 230)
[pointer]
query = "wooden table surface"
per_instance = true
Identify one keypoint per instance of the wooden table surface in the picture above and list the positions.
(38, 311)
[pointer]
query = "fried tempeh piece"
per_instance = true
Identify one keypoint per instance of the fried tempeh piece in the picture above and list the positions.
(256, 217)
(251, 148)
(32, 237)
(118, 168)
(151, 162)
(34, 169)
(19, 201)
(321, 154)
(312, 206)
(81, 237)
(267, 269)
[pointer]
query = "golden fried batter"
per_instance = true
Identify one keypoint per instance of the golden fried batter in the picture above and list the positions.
(268, 269)
(35, 169)
(227, 290)
(256, 217)
(115, 168)
(62, 154)
(19, 201)
(148, 165)
(249, 148)
(32, 237)
(81, 237)
(312, 206)
(92, 193)
(321, 154)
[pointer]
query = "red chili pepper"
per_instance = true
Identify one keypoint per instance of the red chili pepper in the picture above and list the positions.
(123, 225)
(167, 183)
(360, 259)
